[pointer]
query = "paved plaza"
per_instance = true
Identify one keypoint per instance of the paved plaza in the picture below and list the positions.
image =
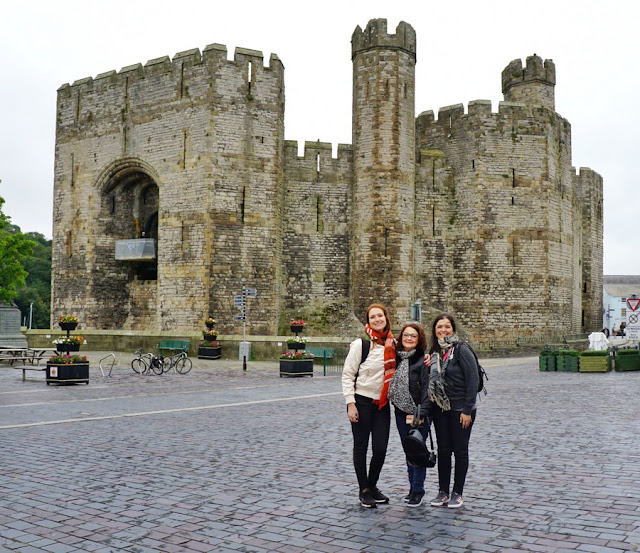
(231, 461)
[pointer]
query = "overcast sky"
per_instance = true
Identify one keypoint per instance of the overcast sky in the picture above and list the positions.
(463, 46)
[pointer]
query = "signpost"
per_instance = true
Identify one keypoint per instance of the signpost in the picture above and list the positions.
(241, 302)
(633, 319)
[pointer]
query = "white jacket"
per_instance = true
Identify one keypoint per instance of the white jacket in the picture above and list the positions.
(371, 375)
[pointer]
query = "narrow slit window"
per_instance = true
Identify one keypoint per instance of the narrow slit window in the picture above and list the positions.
(513, 201)
(249, 74)
(73, 169)
(433, 220)
(69, 244)
(184, 150)
(317, 163)
(513, 178)
(242, 203)
(473, 163)
(113, 205)
(386, 240)
(319, 206)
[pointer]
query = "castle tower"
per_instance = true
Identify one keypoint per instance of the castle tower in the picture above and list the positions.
(535, 84)
(384, 167)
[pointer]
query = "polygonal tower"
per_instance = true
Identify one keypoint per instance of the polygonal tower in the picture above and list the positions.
(533, 84)
(384, 167)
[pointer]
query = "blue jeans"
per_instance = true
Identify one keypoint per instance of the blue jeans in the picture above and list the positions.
(416, 474)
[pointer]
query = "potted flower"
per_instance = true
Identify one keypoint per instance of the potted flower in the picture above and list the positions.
(68, 322)
(68, 369)
(297, 343)
(296, 325)
(296, 363)
(69, 343)
(209, 349)
(210, 322)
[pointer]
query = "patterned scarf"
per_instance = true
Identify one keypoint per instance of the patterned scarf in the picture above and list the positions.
(387, 340)
(436, 390)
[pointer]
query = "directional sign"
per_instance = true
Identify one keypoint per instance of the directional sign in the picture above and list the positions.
(633, 303)
(239, 301)
(251, 292)
(238, 317)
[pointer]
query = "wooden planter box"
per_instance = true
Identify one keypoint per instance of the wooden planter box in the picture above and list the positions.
(296, 367)
(209, 353)
(595, 364)
(68, 347)
(627, 362)
(74, 373)
(546, 363)
(568, 363)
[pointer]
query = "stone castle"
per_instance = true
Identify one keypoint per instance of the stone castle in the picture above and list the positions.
(478, 213)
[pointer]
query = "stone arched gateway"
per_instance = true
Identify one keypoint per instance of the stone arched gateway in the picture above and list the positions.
(127, 235)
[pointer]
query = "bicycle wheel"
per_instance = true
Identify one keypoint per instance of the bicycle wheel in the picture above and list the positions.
(139, 366)
(157, 365)
(183, 365)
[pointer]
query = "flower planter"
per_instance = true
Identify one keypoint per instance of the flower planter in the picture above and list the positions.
(595, 364)
(296, 328)
(567, 363)
(209, 336)
(209, 325)
(209, 353)
(627, 362)
(68, 326)
(68, 347)
(70, 373)
(296, 367)
(296, 346)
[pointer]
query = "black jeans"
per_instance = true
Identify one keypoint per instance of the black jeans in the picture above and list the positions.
(375, 422)
(452, 438)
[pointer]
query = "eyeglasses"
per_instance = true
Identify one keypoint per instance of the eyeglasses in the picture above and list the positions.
(412, 336)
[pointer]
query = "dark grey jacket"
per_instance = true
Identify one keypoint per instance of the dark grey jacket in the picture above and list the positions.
(461, 379)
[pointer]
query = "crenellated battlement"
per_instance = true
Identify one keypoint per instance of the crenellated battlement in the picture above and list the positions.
(375, 35)
(214, 54)
(533, 84)
(311, 149)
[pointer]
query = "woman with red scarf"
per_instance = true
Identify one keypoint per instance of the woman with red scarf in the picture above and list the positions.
(367, 372)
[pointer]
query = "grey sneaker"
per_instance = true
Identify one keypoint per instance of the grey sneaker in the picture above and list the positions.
(367, 500)
(416, 499)
(440, 499)
(455, 501)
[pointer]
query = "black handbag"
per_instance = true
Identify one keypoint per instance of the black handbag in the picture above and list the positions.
(415, 448)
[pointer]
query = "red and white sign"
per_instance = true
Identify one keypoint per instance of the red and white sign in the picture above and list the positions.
(633, 303)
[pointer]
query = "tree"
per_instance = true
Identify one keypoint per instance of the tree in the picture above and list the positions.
(14, 248)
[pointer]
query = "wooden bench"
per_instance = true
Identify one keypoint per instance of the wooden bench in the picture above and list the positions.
(173, 345)
(26, 368)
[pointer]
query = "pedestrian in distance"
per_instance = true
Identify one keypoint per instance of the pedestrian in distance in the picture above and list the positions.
(408, 389)
(367, 373)
(453, 387)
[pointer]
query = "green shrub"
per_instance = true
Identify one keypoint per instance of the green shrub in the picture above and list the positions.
(569, 353)
(627, 352)
(593, 353)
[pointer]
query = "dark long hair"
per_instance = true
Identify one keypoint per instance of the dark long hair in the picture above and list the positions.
(384, 310)
(435, 346)
(421, 346)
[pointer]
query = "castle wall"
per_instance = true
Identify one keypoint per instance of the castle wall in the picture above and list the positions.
(508, 216)
(316, 216)
(209, 134)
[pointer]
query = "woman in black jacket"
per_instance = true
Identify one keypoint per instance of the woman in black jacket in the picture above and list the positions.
(453, 386)
(407, 390)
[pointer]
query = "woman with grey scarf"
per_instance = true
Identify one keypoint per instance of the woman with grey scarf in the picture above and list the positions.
(453, 386)
(407, 390)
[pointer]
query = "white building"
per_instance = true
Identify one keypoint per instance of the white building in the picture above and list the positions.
(616, 290)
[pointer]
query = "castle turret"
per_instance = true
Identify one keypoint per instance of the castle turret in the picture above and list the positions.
(384, 167)
(534, 84)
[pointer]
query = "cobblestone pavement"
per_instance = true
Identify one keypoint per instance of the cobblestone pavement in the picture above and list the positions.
(222, 460)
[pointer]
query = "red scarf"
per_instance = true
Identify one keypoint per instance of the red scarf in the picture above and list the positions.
(386, 339)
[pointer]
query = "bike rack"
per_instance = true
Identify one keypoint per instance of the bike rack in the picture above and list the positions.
(113, 362)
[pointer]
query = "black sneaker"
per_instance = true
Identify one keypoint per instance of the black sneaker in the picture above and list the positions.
(407, 497)
(366, 499)
(416, 499)
(440, 499)
(379, 496)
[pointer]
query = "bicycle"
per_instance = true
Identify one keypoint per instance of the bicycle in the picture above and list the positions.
(145, 362)
(178, 361)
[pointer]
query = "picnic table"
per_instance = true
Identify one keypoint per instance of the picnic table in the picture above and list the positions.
(26, 355)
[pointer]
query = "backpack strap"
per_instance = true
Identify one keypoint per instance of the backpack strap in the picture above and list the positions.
(366, 345)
